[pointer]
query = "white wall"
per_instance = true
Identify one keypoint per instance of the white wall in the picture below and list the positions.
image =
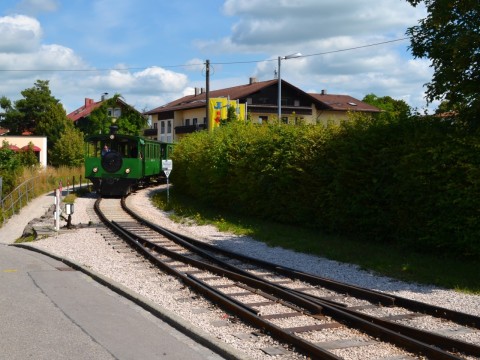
(22, 141)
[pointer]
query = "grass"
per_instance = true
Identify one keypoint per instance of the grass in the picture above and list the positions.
(384, 259)
(44, 181)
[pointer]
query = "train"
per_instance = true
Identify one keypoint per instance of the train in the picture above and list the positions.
(117, 164)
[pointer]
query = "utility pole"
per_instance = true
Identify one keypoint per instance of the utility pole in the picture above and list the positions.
(207, 95)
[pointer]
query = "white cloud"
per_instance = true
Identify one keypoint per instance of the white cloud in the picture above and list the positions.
(20, 34)
(319, 29)
(34, 7)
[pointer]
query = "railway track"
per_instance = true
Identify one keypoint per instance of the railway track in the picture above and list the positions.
(314, 316)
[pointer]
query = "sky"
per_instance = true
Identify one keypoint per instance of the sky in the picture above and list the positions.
(154, 51)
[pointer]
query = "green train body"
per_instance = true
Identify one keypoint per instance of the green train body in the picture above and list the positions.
(126, 163)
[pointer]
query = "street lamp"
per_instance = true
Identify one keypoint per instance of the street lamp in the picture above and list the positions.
(280, 58)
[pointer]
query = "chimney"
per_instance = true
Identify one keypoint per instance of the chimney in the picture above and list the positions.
(88, 102)
(253, 80)
(202, 90)
(197, 91)
(104, 96)
(324, 92)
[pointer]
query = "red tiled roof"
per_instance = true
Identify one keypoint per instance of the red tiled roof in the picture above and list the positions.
(85, 110)
(343, 103)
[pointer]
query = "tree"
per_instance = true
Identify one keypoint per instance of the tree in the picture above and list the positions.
(450, 37)
(68, 150)
(36, 105)
(130, 121)
(13, 118)
(53, 123)
(392, 109)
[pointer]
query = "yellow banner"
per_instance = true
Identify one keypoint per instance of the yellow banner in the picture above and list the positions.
(218, 111)
(218, 108)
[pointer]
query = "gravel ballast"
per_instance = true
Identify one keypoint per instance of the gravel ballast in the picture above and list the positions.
(86, 246)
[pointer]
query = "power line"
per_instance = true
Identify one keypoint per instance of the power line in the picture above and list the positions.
(202, 64)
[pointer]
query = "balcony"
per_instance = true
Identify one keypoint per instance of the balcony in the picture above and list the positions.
(187, 129)
(150, 132)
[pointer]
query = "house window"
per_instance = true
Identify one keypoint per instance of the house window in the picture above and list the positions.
(169, 127)
(162, 127)
(117, 112)
(187, 122)
(110, 112)
(296, 103)
(195, 121)
(205, 120)
(155, 125)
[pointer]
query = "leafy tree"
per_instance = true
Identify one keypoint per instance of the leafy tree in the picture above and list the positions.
(130, 122)
(450, 37)
(53, 124)
(13, 118)
(37, 105)
(392, 109)
(68, 150)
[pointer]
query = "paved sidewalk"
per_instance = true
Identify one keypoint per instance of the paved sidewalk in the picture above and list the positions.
(13, 228)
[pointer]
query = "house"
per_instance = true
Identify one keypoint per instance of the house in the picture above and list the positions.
(81, 115)
(337, 107)
(188, 114)
(21, 143)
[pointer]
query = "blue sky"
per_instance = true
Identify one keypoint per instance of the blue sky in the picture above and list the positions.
(153, 51)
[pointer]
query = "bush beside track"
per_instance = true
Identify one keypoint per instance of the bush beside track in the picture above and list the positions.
(413, 181)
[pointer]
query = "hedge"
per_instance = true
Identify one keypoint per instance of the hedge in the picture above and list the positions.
(414, 181)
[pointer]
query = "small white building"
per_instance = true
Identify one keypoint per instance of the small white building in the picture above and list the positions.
(22, 142)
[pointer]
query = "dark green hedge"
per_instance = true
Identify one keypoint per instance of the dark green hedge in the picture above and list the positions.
(415, 181)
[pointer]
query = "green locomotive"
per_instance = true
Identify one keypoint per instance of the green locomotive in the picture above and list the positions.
(117, 164)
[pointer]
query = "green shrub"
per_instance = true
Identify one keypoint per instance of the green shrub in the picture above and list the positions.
(414, 181)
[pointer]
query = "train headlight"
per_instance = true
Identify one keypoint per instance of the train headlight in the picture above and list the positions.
(95, 169)
(127, 171)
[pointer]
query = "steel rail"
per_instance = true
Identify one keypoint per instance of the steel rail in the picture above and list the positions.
(347, 317)
(221, 299)
(367, 294)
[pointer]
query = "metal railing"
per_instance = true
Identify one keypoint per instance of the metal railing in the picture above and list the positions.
(23, 193)
(19, 197)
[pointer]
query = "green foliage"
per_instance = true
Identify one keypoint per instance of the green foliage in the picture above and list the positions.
(130, 122)
(9, 165)
(38, 112)
(391, 108)
(449, 36)
(37, 105)
(68, 150)
(413, 181)
(13, 163)
(53, 123)
(28, 157)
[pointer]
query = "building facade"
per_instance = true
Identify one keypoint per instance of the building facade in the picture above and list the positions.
(188, 114)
